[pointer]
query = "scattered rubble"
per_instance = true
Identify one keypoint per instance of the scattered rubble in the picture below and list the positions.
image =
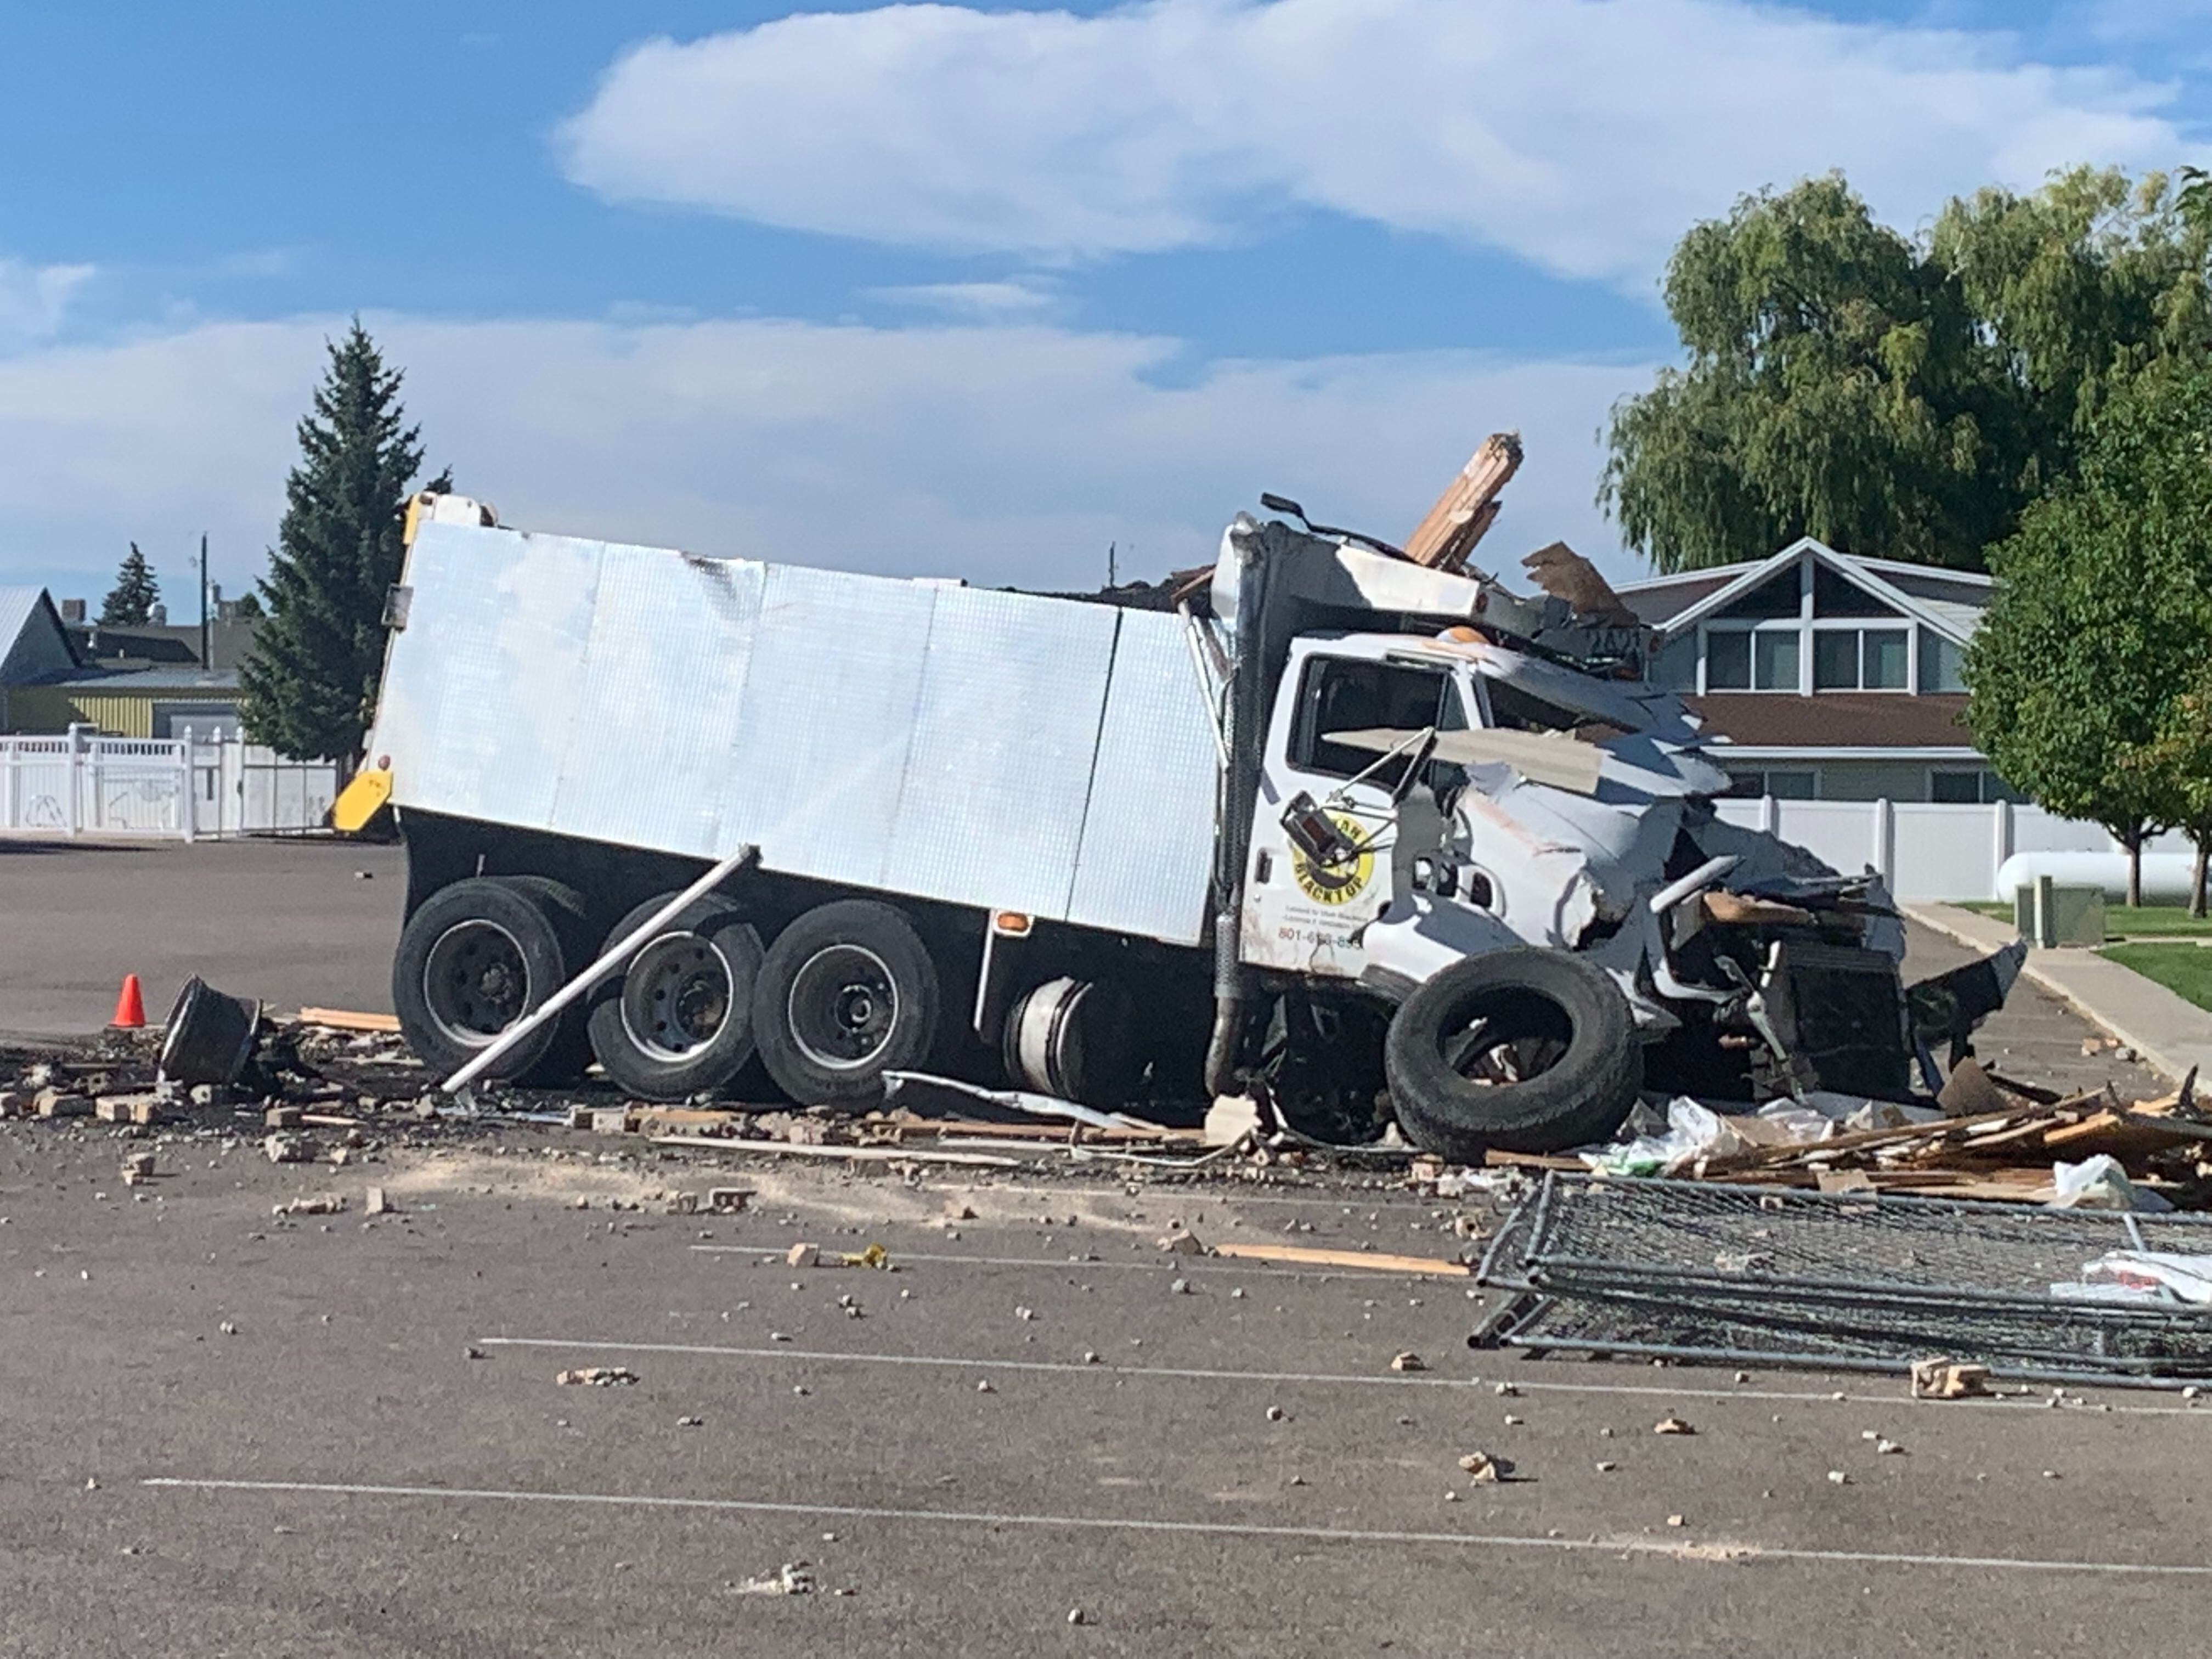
(598, 1376)
(1483, 1469)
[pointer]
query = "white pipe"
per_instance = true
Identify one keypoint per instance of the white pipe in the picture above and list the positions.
(1704, 876)
(618, 955)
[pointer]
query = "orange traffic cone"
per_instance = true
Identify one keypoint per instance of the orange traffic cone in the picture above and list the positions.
(129, 1006)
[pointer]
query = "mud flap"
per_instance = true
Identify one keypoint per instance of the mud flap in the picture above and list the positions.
(1950, 1005)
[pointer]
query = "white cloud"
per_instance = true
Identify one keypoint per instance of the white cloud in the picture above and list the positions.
(1005, 454)
(1583, 135)
(34, 297)
(982, 301)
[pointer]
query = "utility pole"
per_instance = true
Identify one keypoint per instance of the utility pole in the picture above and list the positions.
(206, 665)
(1112, 574)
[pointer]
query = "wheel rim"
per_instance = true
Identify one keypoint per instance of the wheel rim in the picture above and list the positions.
(475, 982)
(1507, 1038)
(843, 1008)
(677, 997)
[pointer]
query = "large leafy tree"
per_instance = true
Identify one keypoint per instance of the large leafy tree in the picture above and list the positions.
(130, 601)
(310, 686)
(2087, 679)
(1901, 397)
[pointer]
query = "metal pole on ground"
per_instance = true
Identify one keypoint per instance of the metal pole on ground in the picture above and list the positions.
(617, 956)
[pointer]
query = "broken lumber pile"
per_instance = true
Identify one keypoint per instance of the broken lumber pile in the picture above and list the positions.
(2002, 1155)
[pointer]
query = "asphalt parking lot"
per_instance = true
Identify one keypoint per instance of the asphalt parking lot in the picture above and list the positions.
(237, 1434)
(289, 922)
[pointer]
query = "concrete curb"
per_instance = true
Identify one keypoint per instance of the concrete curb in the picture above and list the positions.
(2170, 1032)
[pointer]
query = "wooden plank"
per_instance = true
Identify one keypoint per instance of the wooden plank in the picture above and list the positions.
(1085, 1134)
(1372, 1261)
(1468, 506)
(851, 1154)
(347, 1019)
(1495, 1158)
(2117, 1133)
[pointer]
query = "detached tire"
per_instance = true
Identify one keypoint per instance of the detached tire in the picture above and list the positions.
(846, 992)
(478, 955)
(1554, 1063)
(678, 1021)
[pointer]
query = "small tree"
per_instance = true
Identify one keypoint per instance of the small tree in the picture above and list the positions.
(2178, 763)
(130, 601)
(2102, 619)
(310, 686)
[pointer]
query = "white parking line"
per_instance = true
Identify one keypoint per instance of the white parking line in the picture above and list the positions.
(1684, 1549)
(1388, 1380)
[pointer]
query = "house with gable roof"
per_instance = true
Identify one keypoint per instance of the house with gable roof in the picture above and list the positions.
(1827, 676)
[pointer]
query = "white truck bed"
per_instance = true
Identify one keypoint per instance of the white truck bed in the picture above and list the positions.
(1004, 751)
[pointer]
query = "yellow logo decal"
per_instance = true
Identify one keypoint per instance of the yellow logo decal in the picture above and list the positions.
(1335, 884)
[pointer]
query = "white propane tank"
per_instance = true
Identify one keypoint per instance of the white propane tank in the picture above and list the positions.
(2165, 875)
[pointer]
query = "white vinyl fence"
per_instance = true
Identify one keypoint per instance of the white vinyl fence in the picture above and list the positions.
(1925, 850)
(78, 784)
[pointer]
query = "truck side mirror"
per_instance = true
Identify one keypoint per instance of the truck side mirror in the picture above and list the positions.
(1315, 834)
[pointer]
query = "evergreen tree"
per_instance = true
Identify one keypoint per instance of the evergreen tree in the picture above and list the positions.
(130, 601)
(310, 686)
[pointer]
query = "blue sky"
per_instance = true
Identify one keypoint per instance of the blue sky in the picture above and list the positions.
(972, 290)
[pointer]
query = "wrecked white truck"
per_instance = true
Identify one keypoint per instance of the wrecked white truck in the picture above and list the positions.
(1338, 826)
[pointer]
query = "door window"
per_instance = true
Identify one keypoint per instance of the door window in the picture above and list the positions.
(1350, 694)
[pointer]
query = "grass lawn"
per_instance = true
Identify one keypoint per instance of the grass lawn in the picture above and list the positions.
(2184, 969)
(2128, 921)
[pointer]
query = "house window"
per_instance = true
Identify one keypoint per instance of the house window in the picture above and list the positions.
(1728, 662)
(1969, 788)
(1942, 663)
(1782, 784)
(1851, 659)
(1767, 602)
(1834, 595)
(1774, 660)
(1836, 659)
(1885, 661)
(1674, 665)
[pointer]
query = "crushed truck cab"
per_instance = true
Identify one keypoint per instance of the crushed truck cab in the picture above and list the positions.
(1338, 826)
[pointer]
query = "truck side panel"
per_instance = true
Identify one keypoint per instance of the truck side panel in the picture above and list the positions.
(826, 723)
(482, 701)
(977, 748)
(664, 673)
(992, 793)
(1147, 853)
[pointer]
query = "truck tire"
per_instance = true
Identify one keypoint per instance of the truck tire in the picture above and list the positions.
(846, 992)
(476, 956)
(678, 1021)
(1555, 1063)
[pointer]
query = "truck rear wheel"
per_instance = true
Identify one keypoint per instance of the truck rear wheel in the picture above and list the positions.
(1526, 1050)
(678, 1021)
(846, 992)
(478, 955)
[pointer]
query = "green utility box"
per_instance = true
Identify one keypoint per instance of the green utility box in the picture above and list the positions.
(2048, 914)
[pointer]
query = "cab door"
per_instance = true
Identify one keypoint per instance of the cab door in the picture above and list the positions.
(1301, 913)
